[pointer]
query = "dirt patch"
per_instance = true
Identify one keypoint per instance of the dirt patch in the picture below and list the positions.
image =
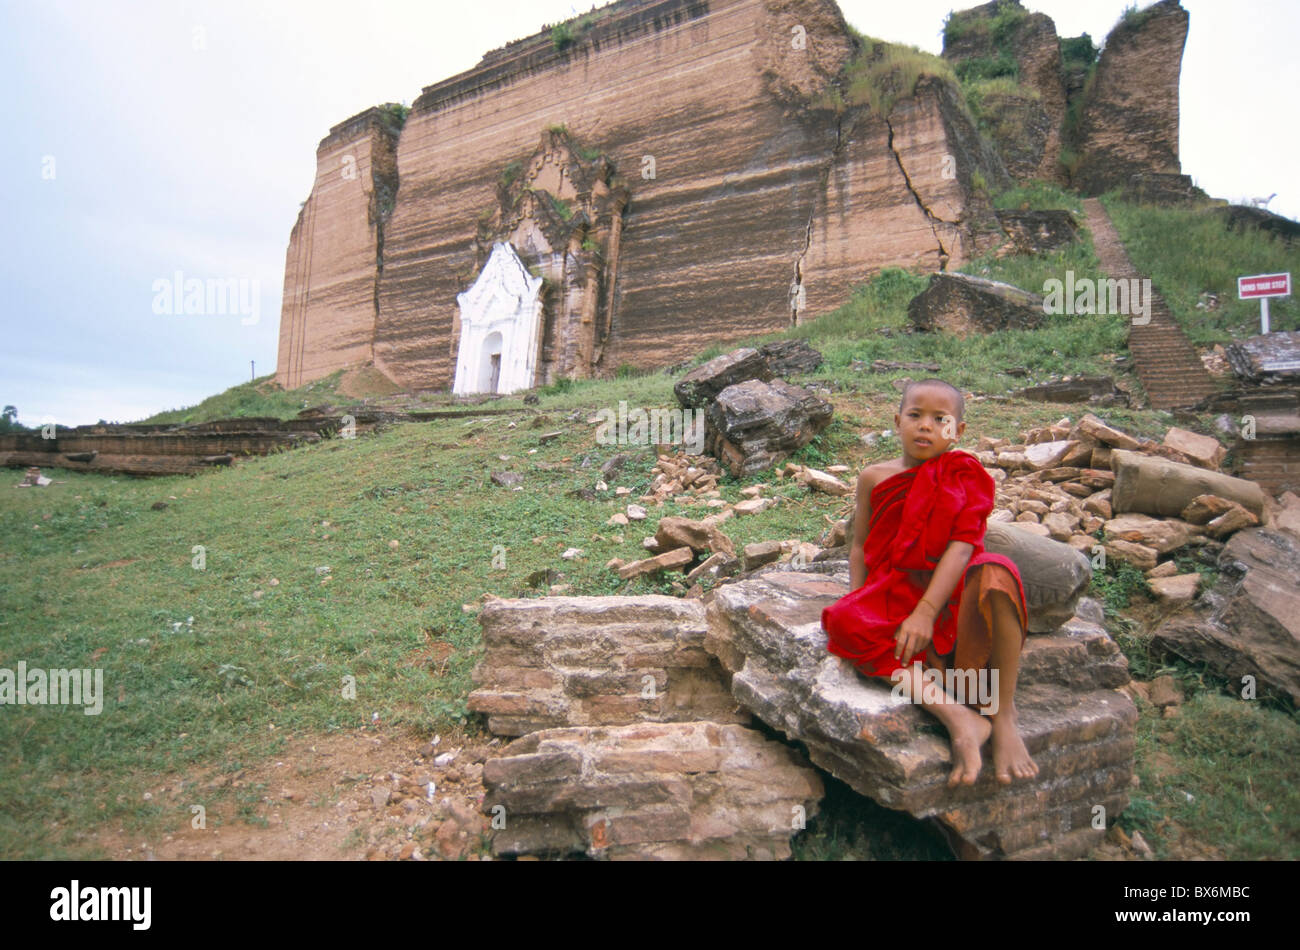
(362, 381)
(356, 796)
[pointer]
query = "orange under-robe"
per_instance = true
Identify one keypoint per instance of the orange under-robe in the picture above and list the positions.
(915, 515)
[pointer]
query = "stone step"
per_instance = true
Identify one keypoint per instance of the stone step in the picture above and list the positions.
(676, 791)
(578, 661)
(767, 632)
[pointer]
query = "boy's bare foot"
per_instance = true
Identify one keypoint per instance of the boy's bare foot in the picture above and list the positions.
(1011, 760)
(968, 733)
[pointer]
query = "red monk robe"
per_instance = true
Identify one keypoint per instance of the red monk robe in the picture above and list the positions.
(915, 514)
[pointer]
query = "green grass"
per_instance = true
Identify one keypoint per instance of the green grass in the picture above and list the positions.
(260, 397)
(1040, 196)
(87, 565)
(1118, 585)
(1078, 53)
(988, 69)
(999, 86)
(395, 114)
(561, 36)
(1222, 773)
(208, 694)
(508, 175)
(985, 96)
(1133, 18)
(561, 207)
(1000, 27)
(1188, 252)
(881, 73)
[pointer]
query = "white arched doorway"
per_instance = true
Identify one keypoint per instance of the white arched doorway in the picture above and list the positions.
(489, 375)
(500, 327)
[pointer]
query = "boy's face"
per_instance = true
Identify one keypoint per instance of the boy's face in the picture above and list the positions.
(928, 424)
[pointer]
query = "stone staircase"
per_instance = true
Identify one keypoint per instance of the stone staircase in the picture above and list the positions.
(1171, 372)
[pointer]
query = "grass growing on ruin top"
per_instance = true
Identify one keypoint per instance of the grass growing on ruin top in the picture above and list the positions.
(999, 26)
(259, 397)
(1040, 196)
(881, 73)
(1189, 252)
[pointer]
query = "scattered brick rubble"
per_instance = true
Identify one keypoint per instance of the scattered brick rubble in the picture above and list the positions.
(582, 679)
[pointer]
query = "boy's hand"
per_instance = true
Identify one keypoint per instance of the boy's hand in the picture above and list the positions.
(914, 634)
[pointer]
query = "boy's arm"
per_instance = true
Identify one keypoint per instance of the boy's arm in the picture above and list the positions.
(861, 520)
(915, 633)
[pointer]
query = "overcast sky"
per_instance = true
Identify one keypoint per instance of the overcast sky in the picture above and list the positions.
(147, 137)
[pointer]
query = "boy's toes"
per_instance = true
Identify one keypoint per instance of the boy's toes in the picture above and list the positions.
(963, 774)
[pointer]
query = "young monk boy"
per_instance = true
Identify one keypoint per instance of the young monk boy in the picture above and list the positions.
(923, 589)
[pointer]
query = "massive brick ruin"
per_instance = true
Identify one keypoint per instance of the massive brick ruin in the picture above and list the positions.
(678, 173)
(675, 174)
(1090, 124)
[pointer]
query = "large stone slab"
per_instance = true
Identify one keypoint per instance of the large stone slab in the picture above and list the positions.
(960, 304)
(787, 357)
(1100, 390)
(674, 791)
(767, 632)
(753, 425)
(578, 661)
(701, 385)
(1248, 624)
(1267, 358)
(1157, 486)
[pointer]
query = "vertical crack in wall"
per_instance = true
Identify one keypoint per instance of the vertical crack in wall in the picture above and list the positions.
(929, 216)
(797, 297)
(383, 200)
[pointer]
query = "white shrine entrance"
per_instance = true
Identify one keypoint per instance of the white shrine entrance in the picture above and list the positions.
(500, 327)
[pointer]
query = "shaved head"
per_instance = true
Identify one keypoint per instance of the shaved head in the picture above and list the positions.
(954, 394)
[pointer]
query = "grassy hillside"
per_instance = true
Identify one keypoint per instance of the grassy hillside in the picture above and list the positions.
(260, 397)
(1189, 253)
(355, 558)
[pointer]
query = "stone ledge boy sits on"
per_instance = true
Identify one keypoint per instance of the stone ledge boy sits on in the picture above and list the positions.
(923, 589)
